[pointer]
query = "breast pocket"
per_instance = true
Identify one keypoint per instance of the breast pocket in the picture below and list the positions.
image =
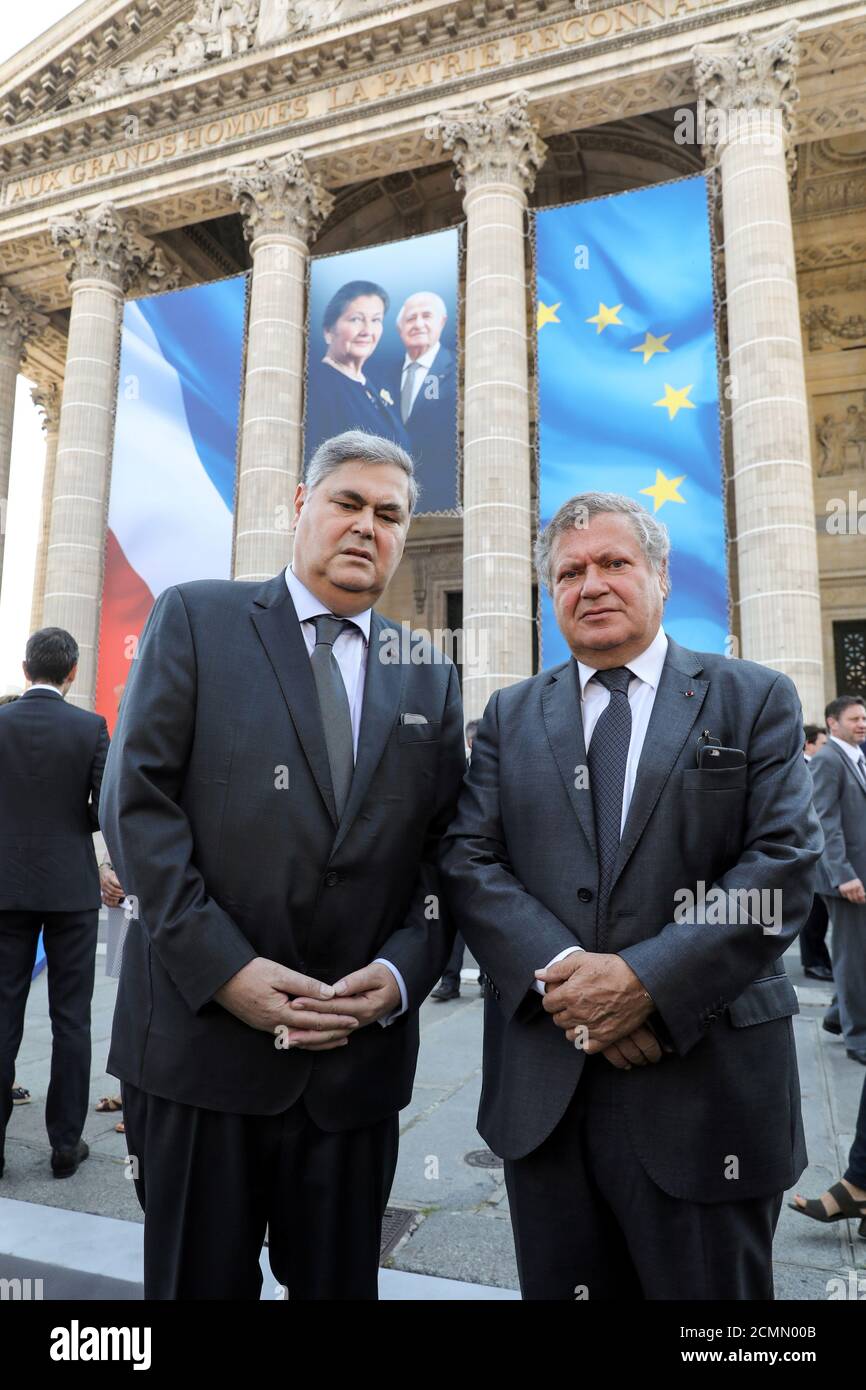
(418, 733)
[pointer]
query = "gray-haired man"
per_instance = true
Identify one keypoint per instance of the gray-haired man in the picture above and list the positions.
(629, 897)
(276, 793)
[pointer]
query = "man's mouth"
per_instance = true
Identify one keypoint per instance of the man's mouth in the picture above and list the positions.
(598, 612)
(359, 554)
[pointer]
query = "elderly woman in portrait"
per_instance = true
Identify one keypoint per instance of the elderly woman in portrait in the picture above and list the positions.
(341, 395)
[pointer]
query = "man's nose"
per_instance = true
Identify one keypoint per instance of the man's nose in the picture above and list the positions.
(593, 582)
(364, 522)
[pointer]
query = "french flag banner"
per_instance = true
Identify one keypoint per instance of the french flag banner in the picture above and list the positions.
(171, 501)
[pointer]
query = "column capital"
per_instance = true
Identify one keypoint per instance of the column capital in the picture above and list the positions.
(754, 74)
(18, 322)
(280, 197)
(99, 245)
(47, 398)
(492, 142)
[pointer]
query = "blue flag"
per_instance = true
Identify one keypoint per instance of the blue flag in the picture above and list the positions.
(628, 384)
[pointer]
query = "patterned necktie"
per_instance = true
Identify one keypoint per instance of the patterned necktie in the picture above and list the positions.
(334, 705)
(406, 393)
(606, 759)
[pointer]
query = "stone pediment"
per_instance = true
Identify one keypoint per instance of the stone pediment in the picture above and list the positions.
(132, 43)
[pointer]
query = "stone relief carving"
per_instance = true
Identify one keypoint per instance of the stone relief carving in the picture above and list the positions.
(826, 327)
(216, 29)
(841, 436)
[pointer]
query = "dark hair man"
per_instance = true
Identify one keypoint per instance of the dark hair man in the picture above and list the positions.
(275, 795)
(52, 757)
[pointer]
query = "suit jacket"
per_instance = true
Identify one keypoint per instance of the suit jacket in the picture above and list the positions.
(52, 755)
(432, 430)
(218, 810)
(840, 800)
(521, 873)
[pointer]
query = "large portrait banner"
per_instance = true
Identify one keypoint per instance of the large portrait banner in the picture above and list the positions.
(382, 354)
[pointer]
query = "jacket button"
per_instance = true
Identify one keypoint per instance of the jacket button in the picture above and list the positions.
(585, 895)
(332, 879)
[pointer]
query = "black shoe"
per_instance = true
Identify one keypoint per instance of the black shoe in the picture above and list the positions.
(65, 1161)
(818, 972)
(857, 1057)
(831, 1026)
(444, 991)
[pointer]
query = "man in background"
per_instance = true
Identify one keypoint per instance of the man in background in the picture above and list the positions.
(52, 757)
(839, 777)
(428, 398)
(814, 956)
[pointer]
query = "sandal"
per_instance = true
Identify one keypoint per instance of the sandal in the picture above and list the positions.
(120, 1128)
(849, 1207)
(20, 1096)
(108, 1104)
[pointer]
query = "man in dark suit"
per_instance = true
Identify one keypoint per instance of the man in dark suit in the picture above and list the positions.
(51, 760)
(839, 774)
(428, 398)
(814, 956)
(280, 777)
(643, 1088)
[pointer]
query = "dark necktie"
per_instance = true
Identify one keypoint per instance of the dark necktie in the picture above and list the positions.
(606, 759)
(861, 768)
(334, 705)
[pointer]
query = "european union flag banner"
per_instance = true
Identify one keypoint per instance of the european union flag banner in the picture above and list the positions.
(171, 502)
(628, 384)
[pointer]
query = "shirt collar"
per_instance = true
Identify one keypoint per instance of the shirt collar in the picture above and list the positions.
(852, 749)
(40, 685)
(425, 360)
(647, 665)
(308, 606)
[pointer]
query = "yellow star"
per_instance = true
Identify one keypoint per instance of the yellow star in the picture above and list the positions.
(547, 313)
(664, 490)
(650, 345)
(675, 401)
(605, 317)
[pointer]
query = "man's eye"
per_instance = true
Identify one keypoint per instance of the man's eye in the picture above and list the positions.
(384, 516)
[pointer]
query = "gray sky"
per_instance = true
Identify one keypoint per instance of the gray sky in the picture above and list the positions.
(22, 23)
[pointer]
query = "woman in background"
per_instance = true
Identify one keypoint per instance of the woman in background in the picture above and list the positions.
(341, 394)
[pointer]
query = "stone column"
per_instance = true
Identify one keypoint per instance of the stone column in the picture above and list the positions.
(497, 154)
(282, 206)
(103, 257)
(18, 322)
(47, 399)
(748, 85)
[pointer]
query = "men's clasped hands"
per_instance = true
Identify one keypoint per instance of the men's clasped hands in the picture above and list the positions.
(305, 1012)
(600, 1003)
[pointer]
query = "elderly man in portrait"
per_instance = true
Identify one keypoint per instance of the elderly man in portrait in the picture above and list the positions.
(640, 1078)
(428, 398)
(276, 793)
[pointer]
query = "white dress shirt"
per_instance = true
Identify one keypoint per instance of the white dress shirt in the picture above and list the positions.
(41, 685)
(350, 654)
(646, 672)
(855, 753)
(426, 361)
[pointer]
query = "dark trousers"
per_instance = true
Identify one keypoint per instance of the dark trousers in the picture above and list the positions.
(813, 944)
(589, 1223)
(70, 950)
(848, 949)
(209, 1184)
(451, 973)
(856, 1170)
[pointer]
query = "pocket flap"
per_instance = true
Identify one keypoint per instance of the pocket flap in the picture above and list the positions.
(764, 1000)
(419, 733)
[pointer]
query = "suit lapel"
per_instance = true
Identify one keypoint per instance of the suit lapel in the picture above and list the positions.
(674, 715)
(383, 691)
(560, 703)
(276, 622)
(849, 766)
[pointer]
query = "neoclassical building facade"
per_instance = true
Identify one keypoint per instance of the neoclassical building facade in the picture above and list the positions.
(147, 144)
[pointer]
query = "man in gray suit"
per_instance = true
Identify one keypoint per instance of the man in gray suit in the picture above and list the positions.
(633, 851)
(278, 783)
(839, 774)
